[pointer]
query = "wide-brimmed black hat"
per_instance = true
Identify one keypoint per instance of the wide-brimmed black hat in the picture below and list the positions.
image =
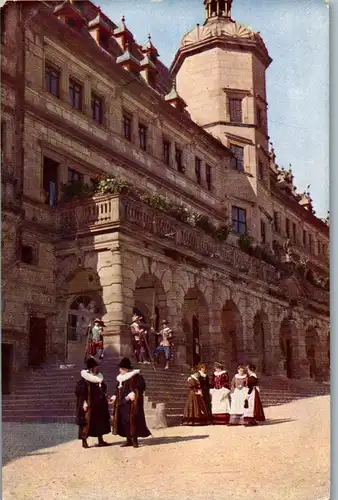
(125, 363)
(91, 362)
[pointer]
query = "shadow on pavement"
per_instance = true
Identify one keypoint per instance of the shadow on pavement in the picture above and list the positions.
(22, 439)
(171, 439)
(276, 421)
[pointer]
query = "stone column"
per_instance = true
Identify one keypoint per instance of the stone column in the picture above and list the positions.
(110, 272)
(300, 362)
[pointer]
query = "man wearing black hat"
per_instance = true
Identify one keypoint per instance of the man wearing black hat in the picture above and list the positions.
(129, 419)
(92, 411)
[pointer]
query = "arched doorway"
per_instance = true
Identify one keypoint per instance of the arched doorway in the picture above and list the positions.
(312, 347)
(260, 330)
(232, 334)
(195, 324)
(287, 347)
(82, 311)
(150, 301)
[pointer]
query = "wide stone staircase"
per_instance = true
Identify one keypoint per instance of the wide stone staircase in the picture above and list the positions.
(47, 394)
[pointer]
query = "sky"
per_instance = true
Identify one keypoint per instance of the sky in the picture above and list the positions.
(296, 33)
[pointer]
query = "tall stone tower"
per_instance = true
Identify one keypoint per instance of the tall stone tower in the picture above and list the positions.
(220, 73)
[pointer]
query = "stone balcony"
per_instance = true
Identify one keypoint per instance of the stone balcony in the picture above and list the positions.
(105, 213)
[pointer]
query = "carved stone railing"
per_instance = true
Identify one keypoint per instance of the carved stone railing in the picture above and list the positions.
(106, 211)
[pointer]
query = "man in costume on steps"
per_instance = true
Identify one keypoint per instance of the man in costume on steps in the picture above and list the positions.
(129, 419)
(165, 344)
(140, 340)
(92, 413)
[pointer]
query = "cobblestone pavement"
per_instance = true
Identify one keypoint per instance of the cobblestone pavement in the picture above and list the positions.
(285, 459)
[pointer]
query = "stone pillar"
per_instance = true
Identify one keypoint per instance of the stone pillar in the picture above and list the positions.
(110, 272)
(301, 366)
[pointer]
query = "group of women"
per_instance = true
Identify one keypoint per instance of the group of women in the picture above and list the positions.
(217, 401)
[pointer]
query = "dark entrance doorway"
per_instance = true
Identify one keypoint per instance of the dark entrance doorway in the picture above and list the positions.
(288, 352)
(287, 347)
(6, 367)
(196, 353)
(37, 341)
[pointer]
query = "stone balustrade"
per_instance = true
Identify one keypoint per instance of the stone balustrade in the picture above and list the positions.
(105, 211)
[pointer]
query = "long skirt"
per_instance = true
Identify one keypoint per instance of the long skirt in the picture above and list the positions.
(220, 406)
(254, 413)
(237, 406)
(195, 411)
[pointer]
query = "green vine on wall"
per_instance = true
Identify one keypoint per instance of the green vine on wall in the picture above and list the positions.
(115, 185)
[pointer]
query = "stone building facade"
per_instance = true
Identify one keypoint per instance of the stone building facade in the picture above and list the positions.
(81, 99)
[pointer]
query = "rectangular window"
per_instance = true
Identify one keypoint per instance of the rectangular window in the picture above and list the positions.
(142, 132)
(294, 232)
(238, 220)
(74, 176)
(179, 160)
(52, 80)
(238, 160)
(75, 95)
(235, 110)
(259, 117)
(304, 238)
(263, 232)
(50, 181)
(27, 254)
(96, 108)
(319, 247)
(260, 170)
(310, 242)
(127, 127)
(276, 221)
(198, 163)
(208, 177)
(166, 152)
(287, 227)
(3, 23)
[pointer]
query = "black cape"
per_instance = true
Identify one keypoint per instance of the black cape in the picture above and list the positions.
(96, 421)
(205, 388)
(129, 419)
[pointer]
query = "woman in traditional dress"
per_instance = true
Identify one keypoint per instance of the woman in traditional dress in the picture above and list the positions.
(129, 419)
(92, 411)
(220, 396)
(239, 393)
(195, 411)
(205, 388)
(253, 412)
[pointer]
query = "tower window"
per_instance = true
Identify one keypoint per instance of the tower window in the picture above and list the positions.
(238, 160)
(260, 170)
(142, 132)
(52, 80)
(96, 108)
(166, 151)
(238, 220)
(208, 176)
(127, 127)
(259, 120)
(198, 169)
(75, 95)
(235, 110)
(319, 247)
(287, 227)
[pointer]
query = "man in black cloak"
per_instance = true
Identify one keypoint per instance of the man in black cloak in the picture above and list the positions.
(129, 419)
(92, 413)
